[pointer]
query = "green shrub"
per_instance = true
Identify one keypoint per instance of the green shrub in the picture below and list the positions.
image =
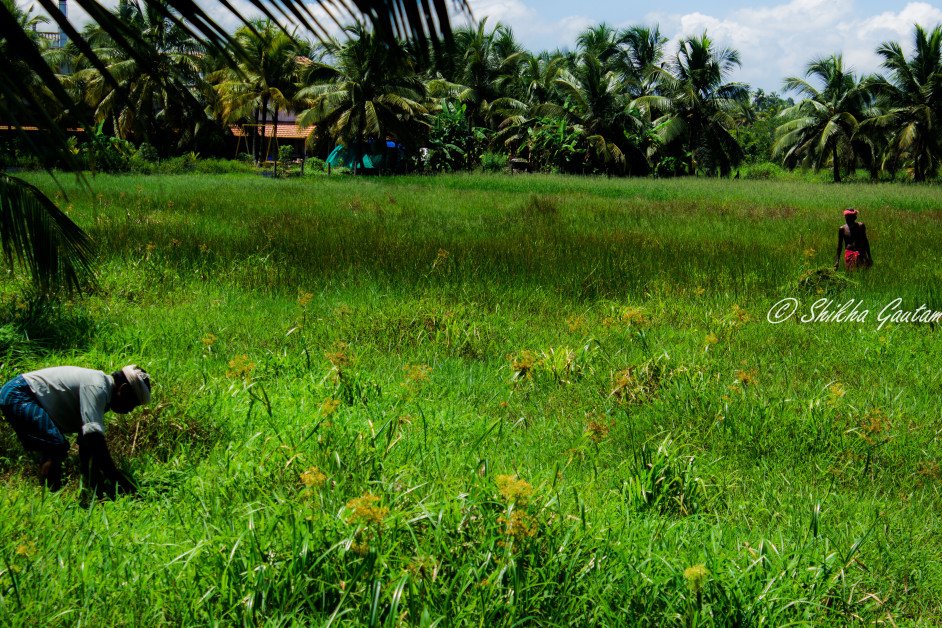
(104, 153)
(221, 166)
(140, 165)
(147, 152)
(493, 162)
(178, 165)
(286, 153)
(315, 164)
(763, 172)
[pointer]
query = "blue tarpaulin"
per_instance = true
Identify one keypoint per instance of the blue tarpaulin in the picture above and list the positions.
(371, 158)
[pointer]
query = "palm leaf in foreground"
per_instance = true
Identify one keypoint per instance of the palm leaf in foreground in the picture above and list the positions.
(41, 237)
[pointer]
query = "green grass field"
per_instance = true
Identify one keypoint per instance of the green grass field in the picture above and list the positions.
(489, 400)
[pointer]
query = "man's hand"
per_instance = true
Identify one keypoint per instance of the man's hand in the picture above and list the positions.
(98, 467)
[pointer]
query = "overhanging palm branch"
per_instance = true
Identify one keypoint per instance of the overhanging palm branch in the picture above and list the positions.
(38, 235)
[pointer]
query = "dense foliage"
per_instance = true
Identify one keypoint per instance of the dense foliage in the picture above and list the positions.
(622, 102)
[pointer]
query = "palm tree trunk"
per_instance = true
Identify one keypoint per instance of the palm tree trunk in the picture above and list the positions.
(275, 135)
(263, 148)
(255, 142)
(837, 164)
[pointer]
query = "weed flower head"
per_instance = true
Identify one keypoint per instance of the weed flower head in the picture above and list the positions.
(365, 509)
(575, 323)
(597, 431)
(240, 367)
(514, 490)
(209, 340)
(873, 426)
(836, 392)
(523, 364)
(423, 568)
(928, 470)
(696, 576)
(519, 525)
(339, 357)
(440, 258)
(634, 385)
(633, 316)
(329, 406)
(416, 373)
(746, 378)
(740, 314)
(712, 339)
(304, 298)
(313, 478)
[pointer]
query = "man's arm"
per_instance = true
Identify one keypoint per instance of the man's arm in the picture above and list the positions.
(840, 247)
(98, 467)
(95, 459)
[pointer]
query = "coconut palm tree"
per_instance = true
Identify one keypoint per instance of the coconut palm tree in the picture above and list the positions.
(533, 97)
(911, 100)
(265, 79)
(153, 97)
(695, 106)
(640, 49)
(32, 229)
(490, 63)
(371, 91)
(599, 41)
(822, 126)
(597, 101)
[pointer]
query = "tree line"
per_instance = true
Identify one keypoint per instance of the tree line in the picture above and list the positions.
(619, 103)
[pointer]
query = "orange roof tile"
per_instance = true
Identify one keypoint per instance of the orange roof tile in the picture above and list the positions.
(286, 131)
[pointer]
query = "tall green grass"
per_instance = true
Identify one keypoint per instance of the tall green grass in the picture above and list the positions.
(489, 400)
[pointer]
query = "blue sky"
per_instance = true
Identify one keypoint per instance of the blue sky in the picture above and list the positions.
(775, 38)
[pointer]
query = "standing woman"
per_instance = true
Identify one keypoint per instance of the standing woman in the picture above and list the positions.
(852, 240)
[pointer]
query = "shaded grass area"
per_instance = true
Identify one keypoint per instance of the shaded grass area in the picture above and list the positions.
(492, 400)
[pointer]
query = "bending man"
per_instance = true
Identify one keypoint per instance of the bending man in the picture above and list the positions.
(43, 406)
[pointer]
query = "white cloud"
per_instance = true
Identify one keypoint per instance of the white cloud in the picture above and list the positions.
(529, 25)
(779, 40)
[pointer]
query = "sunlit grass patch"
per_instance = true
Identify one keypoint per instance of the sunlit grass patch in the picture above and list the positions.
(481, 399)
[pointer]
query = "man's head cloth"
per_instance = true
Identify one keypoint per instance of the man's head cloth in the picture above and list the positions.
(139, 381)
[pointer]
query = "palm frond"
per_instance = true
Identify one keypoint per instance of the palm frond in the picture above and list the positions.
(38, 235)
